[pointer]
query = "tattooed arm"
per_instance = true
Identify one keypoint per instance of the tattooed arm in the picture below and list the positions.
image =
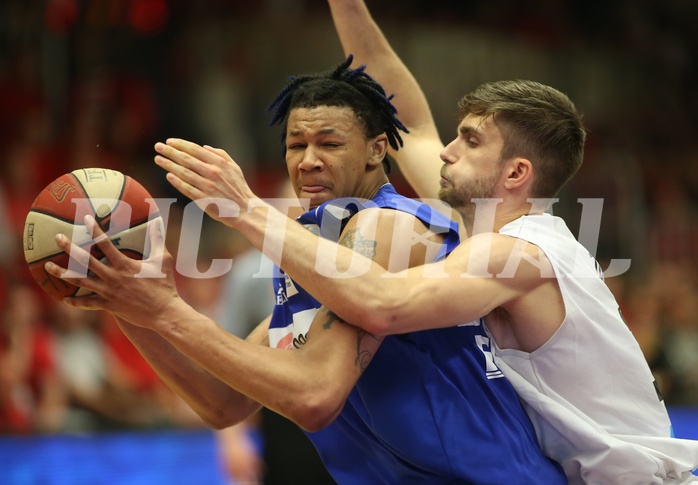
(342, 352)
(308, 385)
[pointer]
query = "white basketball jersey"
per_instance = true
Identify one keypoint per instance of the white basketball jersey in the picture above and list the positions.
(589, 390)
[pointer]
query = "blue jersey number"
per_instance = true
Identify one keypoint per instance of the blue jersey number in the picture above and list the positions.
(491, 368)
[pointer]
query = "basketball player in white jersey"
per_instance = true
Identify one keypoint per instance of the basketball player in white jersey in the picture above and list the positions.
(557, 331)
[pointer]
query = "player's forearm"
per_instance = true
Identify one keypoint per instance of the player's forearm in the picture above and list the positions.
(216, 403)
(275, 378)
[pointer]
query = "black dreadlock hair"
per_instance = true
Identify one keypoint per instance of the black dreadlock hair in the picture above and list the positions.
(342, 87)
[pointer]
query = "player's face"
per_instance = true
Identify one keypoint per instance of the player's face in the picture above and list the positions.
(326, 154)
(472, 163)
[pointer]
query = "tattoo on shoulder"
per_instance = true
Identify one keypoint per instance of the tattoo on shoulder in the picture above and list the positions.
(353, 239)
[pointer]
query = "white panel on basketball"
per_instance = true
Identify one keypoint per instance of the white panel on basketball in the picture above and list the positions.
(83, 292)
(103, 185)
(41, 243)
(134, 238)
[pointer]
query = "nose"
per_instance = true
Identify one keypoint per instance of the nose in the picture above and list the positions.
(310, 161)
(447, 155)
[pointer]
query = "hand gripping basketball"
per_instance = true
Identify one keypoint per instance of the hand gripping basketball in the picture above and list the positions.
(135, 290)
(121, 206)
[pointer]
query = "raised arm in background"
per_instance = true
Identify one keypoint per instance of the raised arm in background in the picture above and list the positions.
(360, 35)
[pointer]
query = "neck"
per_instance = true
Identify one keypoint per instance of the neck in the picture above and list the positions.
(371, 188)
(493, 215)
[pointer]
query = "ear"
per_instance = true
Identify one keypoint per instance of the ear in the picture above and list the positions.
(519, 172)
(378, 149)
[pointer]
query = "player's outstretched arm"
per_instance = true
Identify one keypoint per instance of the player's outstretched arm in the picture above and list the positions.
(361, 36)
(353, 286)
(203, 173)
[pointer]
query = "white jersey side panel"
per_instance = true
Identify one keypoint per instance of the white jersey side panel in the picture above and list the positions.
(589, 390)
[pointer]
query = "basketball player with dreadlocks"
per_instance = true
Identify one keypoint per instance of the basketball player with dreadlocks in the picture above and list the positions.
(428, 409)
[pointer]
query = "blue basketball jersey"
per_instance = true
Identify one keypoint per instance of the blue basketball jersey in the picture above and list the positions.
(432, 407)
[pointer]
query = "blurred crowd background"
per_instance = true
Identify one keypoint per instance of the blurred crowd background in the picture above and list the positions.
(95, 83)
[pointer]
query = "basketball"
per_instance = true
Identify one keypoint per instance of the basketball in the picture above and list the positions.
(120, 205)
